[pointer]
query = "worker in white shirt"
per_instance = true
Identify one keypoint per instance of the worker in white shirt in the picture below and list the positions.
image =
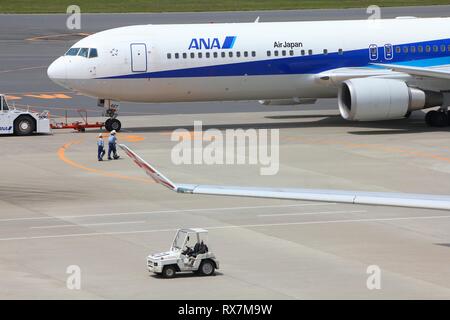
(112, 140)
(100, 147)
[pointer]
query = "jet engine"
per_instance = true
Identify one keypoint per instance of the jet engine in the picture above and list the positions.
(370, 99)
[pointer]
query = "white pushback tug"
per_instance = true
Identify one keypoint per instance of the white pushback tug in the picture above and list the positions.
(189, 252)
(21, 122)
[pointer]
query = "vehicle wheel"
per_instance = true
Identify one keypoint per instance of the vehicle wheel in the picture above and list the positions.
(24, 126)
(428, 118)
(114, 124)
(436, 119)
(207, 268)
(169, 272)
(108, 125)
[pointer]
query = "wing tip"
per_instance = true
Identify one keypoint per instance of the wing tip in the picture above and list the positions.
(157, 176)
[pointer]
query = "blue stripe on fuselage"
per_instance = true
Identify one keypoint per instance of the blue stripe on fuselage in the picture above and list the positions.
(309, 64)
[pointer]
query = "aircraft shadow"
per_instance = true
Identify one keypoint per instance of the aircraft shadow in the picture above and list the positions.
(414, 124)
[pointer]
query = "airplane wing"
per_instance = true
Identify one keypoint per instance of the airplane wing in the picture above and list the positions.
(152, 172)
(342, 196)
(337, 76)
(418, 71)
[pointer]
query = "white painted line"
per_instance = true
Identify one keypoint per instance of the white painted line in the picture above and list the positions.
(165, 211)
(95, 234)
(87, 224)
(309, 213)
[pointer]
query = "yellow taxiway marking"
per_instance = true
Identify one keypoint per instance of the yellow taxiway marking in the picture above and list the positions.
(13, 97)
(55, 37)
(47, 96)
(62, 156)
(23, 69)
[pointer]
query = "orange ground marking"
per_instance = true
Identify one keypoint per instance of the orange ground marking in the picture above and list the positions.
(62, 156)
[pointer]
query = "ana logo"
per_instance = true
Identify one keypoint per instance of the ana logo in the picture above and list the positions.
(212, 43)
(5, 128)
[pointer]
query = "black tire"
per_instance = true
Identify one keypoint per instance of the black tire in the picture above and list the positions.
(169, 272)
(24, 126)
(436, 119)
(207, 268)
(115, 125)
(108, 125)
(429, 118)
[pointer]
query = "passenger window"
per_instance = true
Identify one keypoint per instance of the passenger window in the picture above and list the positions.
(83, 52)
(177, 56)
(207, 55)
(405, 49)
(398, 49)
(303, 52)
(169, 56)
(310, 52)
(325, 51)
(420, 49)
(230, 54)
(184, 55)
(93, 53)
(435, 49)
(412, 49)
(253, 54)
(268, 53)
(448, 47)
(72, 52)
(238, 54)
(340, 51)
(283, 53)
(223, 54)
(192, 55)
(275, 53)
(215, 54)
(200, 55)
(428, 49)
(291, 52)
(443, 48)
(245, 54)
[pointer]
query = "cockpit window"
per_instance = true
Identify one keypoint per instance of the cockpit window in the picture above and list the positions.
(72, 52)
(83, 52)
(93, 53)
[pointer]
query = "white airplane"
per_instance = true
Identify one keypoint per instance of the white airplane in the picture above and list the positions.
(378, 69)
(411, 200)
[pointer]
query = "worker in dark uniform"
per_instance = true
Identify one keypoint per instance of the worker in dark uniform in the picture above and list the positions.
(100, 147)
(112, 141)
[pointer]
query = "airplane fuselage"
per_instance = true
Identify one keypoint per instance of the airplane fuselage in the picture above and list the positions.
(245, 61)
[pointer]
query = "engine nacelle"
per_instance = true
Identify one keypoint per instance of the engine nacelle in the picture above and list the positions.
(370, 99)
(287, 102)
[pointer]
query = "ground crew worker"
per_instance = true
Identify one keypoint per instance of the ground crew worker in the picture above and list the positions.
(112, 140)
(100, 147)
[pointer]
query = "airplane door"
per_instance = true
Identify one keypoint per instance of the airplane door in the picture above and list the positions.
(138, 57)
(373, 52)
(388, 53)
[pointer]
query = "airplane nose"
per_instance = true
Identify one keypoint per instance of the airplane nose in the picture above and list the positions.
(57, 71)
